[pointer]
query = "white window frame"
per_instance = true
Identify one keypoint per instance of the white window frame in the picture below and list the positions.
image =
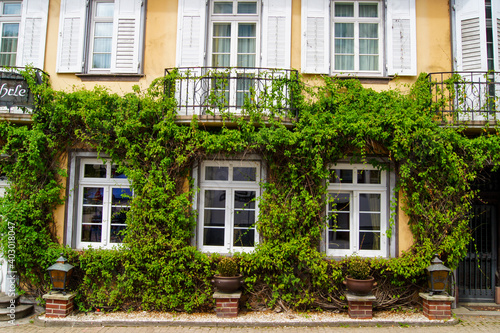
(92, 37)
(107, 184)
(356, 20)
(354, 189)
(230, 187)
(9, 19)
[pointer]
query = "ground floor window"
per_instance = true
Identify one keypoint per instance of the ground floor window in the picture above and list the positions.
(103, 198)
(228, 207)
(357, 211)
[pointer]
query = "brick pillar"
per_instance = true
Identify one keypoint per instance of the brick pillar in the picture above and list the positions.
(437, 307)
(58, 305)
(360, 307)
(227, 304)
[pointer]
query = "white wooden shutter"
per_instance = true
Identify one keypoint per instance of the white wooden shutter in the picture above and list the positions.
(33, 33)
(470, 35)
(276, 33)
(401, 37)
(126, 36)
(71, 36)
(315, 55)
(495, 22)
(191, 33)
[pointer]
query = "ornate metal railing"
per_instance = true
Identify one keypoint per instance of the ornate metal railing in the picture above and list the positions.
(213, 91)
(471, 97)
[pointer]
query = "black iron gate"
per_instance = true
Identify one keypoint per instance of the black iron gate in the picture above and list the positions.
(476, 273)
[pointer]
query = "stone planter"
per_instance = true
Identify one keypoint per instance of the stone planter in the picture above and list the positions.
(227, 284)
(360, 287)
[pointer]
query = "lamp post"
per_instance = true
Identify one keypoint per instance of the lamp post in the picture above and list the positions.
(437, 275)
(60, 273)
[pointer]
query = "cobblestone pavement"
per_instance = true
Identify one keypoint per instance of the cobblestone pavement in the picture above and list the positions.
(467, 324)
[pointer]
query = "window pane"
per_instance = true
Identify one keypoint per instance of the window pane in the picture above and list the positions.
(220, 60)
(246, 45)
(246, 30)
(341, 202)
(368, 46)
(246, 60)
(344, 63)
(91, 214)
(102, 45)
(344, 29)
(338, 240)
(121, 196)
(369, 241)
(104, 9)
(10, 30)
(247, 8)
(341, 176)
(344, 10)
(117, 233)
(368, 63)
(369, 221)
(242, 174)
(222, 30)
(341, 221)
(94, 171)
(213, 236)
(9, 45)
(368, 30)
(119, 215)
(115, 173)
(221, 45)
(214, 218)
(344, 46)
(215, 199)
(7, 59)
(91, 233)
(103, 29)
(244, 237)
(369, 177)
(101, 60)
(216, 173)
(244, 218)
(244, 199)
(223, 7)
(11, 8)
(92, 195)
(368, 10)
(369, 202)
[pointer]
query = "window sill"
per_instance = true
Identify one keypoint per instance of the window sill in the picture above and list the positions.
(110, 77)
(366, 79)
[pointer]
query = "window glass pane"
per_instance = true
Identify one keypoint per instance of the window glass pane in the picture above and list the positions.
(338, 240)
(214, 218)
(244, 218)
(244, 199)
(246, 45)
(344, 10)
(222, 30)
(343, 62)
(121, 196)
(215, 199)
(117, 233)
(223, 7)
(246, 60)
(369, 202)
(368, 30)
(91, 233)
(344, 46)
(220, 60)
(369, 221)
(368, 46)
(11, 8)
(221, 45)
(344, 29)
(7, 59)
(244, 237)
(216, 173)
(246, 30)
(10, 30)
(119, 215)
(341, 176)
(368, 63)
(91, 214)
(93, 195)
(103, 29)
(368, 10)
(213, 236)
(340, 221)
(247, 8)
(243, 174)
(115, 173)
(101, 61)
(369, 241)
(341, 202)
(104, 9)
(102, 45)
(369, 177)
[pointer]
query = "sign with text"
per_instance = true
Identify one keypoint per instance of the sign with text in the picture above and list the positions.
(14, 91)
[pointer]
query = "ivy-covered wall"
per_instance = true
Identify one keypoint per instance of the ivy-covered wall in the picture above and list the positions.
(157, 268)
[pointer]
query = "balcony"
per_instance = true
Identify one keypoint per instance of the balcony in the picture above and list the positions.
(470, 99)
(216, 95)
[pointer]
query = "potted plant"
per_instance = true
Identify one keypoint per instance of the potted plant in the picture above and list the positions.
(359, 280)
(228, 279)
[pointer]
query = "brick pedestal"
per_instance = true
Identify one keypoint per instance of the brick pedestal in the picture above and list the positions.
(360, 307)
(437, 307)
(58, 305)
(227, 304)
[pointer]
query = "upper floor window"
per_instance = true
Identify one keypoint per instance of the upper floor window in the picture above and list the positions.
(104, 37)
(10, 18)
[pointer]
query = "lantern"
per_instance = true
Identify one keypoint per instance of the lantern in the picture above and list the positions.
(60, 273)
(437, 275)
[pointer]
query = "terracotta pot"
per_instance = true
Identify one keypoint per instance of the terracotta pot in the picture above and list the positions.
(360, 287)
(227, 284)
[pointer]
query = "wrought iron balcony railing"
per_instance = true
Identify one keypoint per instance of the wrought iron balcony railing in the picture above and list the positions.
(467, 97)
(213, 91)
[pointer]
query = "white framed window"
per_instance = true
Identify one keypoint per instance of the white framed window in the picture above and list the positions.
(357, 37)
(10, 20)
(103, 37)
(357, 211)
(228, 206)
(103, 199)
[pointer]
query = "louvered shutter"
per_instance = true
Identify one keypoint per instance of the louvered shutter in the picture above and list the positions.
(276, 33)
(33, 33)
(401, 37)
(470, 35)
(315, 55)
(71, 36)
(126, 36)
(191, 33)
(495, 17)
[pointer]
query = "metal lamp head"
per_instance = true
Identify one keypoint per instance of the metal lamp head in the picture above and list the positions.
(437, 275)
(60, 273)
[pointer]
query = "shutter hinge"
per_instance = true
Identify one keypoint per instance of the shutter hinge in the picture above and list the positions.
(87, 3)
(138, 64)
